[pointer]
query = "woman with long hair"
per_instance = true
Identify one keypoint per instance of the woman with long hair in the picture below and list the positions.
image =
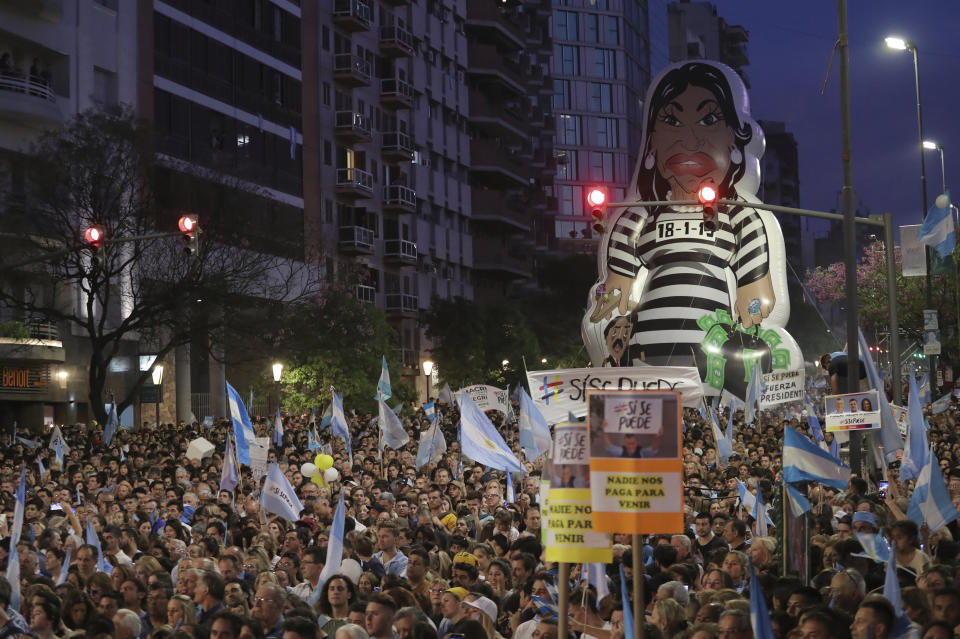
(905, 535)
(670, 617)
(334, 604)
(181, 611)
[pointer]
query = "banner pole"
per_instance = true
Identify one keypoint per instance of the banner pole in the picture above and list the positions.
(638, 607)
(563, 590)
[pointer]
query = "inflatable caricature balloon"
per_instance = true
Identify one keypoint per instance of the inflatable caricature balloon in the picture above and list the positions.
(672, 289)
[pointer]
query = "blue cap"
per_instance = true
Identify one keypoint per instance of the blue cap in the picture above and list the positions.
(864, 515)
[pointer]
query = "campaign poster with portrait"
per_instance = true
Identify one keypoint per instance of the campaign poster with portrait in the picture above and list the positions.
(852, 411)
(570, 534)
(636, 483)
(901, 418)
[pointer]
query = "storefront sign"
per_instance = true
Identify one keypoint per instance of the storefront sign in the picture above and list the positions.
(18, 378)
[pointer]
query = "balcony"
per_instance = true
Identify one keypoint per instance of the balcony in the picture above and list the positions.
(490, 21)
(396, 42)
(352, 15)
(399, 199)
(498, 207)
(490, 67)
(351, 70)
(356, 240)
(498, 119)
(352, 127)
(396, 94)
(366, 294)
(396, 147)
(400, 252)
(28, 100)
(502, 166)
(354, 183)
(402, 304)
(36, 341)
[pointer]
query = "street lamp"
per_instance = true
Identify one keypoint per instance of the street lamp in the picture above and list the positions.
(157, 380)
(900, 44)
(277, 374)
(930, 145)
(427, 370)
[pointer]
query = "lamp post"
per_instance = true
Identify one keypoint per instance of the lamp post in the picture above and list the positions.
(900, 44)
(930, 145)
(157, 380)
(277, 374)
(428, 370)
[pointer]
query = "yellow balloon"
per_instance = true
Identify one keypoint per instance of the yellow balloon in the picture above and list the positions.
(324, 462)
(318, 480)
(316, 460)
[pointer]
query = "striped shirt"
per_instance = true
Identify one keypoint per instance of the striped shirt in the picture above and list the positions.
(689, 268)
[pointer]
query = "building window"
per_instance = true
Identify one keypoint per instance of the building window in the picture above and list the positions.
(601, 167)
(566, 164)
(325, 38)
(569, 60)
(607, 133)
(327, 153)
(612, 35)
(561, 94)
(326, 94)
(601, 97)
(592, 30)
(569, 200)
(569, 129)
(104, 87)
(566, 25)
(605, 63)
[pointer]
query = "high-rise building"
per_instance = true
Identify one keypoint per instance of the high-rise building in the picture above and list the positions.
(780, 184)
(57, 58)
(603, 60)
(697, 32)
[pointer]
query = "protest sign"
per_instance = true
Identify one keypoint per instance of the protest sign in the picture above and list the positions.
(901, 417)
(487, 397)
(782, 387)
(636, 483)
(852, 411)
(570, 535)
(558, 393)
(259, 449)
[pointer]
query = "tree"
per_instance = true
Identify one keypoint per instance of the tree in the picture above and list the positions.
(100, 170)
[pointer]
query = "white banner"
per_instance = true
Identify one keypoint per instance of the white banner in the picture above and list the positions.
(914, 257)
(782, 387)
(259, 448)
(557, 393)
(487, 397)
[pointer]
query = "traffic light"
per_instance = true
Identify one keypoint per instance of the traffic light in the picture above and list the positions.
(93, 236)
(597, 198)
(708, 198)
(191, 233)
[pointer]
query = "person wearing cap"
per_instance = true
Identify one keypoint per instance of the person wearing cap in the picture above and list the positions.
(451, 609)
(465, 571)
(483, 610)
(864, 522)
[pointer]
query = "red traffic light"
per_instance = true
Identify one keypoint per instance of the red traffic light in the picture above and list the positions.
(707, 194)
(93, 235)
(188, 224)
(596, 197)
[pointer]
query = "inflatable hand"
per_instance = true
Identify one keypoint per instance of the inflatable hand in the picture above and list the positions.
(755, 301)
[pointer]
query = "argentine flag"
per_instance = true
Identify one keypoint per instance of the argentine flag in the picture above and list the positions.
(937, 228)
(338, 422)
(534, 432)
(432, 445)
(480, 440)
(916, 449)
(279, 497)
(334, 551)
(394, 435)
(805, 461)
(242, 428)
(755, 389)
(383, 386)
(930, 501)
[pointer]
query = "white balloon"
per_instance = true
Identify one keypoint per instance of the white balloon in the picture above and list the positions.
(330, 475)
(308, 470)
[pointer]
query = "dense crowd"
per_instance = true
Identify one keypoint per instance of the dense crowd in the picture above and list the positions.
(438, 551)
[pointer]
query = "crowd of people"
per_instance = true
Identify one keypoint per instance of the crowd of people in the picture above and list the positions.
(438, 551)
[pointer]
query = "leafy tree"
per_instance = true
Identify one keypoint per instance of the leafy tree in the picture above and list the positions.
(100, 170)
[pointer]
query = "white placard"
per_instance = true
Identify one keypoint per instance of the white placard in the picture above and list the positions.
(914, 257)
(487, 397)
(782, 387)
(570, 445)
(633, 415)
(259, 448)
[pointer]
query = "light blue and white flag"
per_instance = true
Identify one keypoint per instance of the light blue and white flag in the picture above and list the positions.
(941, 404)
(334, 551)
(534, 433)
(94, 540)
(397, 409)
(383, 385)
(392, 432)
(925, 395)
(937, 228)
(917, 448)
(511, 491)
(747, 499)
(279, 497)
(446, 395)
(430, 409)
(43, 471)
(207, 422)
(29, 443)
(597, 577)
(760, 514)
(112, 424)
(875, 547)
(59, 453)
(627, 605)
(889, 434)
(930, 501)
(338, 422)
(724, 446)
(327, 416)
(805, 461)
(759, 615)
(277, 429)
(229, 477)
(799, 503)
(480, 440)
(313, 442)
(755, 388)
(57, 436)
(13, 558)
(432, 445)
(812, 420)
(891, 590)
(65, 567)
(242, 428)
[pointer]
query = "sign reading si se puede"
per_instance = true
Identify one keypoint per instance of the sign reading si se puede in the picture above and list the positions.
(636, 483)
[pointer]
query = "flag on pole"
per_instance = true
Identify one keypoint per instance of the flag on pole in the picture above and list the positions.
(394, 435)
(480, 440)
(760, 514)
(430, 409)
(875, 547)
(917, 448)
(937, 228)
(432, 445)
(383, 386)
(511, 491)
(799, 503)
(446, 395)
(29, 443)
(338, 422)
(597, 577)
(759, 615)
(889, 434)
(941, 404)
(242, 428)
(805, 461)
(627, 606)
(534, 434)
(812, 420)
(278, 429)
(334, 551)
(279, 497)
(59, 451)
(925, 395)
(43, 471)
(755, 388)
(724, 446)
(94, 540)
(229, 477)
(208, 422)
(327, 416)
(13, 558)
(112, 423)
(65, 567)
(57, 436)
(930, 501)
